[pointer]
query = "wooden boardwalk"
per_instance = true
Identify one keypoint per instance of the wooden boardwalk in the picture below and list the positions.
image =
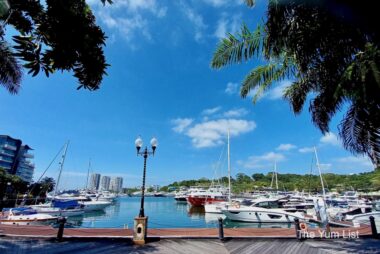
(9, 245)
(50, 232)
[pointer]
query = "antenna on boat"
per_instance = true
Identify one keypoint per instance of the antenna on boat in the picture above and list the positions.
(61, 168)
(229, 165)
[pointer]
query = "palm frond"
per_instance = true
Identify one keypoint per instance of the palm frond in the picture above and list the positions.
(262, 77)
(10, 70)
(360, 131)
(236, 48)
(296, 94)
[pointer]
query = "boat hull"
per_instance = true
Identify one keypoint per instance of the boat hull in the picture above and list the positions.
(261, 216)
(90, 206)
(201, 201)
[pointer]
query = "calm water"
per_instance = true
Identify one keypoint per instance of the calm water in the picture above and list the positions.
(163, 212)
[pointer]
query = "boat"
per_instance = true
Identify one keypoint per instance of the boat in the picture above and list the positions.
(216, 207)
(181, 195)
(263, 211)
(360, 215)
(200, 197)
(63, 205)
(159, 194)
(25, 216)
(60, 207)
(94, 205)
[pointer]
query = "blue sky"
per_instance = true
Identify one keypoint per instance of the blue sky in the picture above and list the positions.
(160, 84)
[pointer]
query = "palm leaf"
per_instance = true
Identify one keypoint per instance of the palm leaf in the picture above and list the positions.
(360, 131)
(235, 49)
(262, 77)
(10, 70)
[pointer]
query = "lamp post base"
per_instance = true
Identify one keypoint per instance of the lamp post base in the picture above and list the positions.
(140, 230)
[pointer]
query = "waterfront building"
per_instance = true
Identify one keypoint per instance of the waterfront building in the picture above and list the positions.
(16, 158)
(94, 181)
(116, 184)
(105, 183)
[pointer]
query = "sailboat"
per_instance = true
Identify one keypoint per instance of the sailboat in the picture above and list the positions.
(60, 207)
(216, 207)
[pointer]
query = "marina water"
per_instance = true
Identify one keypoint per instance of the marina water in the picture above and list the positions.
(163, 212)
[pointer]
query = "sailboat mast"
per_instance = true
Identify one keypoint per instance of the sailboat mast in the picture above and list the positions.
(88, 173)
(61, 168)
(275, 171)
(320, 173)
(229, 165)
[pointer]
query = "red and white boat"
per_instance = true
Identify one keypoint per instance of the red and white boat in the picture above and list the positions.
(201, 196)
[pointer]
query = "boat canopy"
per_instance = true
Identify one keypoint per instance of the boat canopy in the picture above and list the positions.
(20, 210)
(65, 204)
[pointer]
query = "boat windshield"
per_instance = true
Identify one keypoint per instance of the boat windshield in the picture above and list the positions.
(376, 206)
(268, 204)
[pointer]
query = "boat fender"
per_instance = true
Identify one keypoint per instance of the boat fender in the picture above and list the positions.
(303, 226)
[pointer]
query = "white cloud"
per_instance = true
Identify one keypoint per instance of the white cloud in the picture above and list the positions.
(286, 147)
(278, 91)
(226, 25)
(235, 113)
(211, 111)
(306, 150)
(358, 161)
(130, 18)
(221, 3)
(213, 133)
(262, 161)
(216, 3)
(180, 124)
(330, 139)
(196, 19)
(232, 88)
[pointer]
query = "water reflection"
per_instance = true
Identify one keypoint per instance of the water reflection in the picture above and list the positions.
(162, 213)
(196, 212)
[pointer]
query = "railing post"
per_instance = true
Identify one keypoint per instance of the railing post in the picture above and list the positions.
(61, 221)
(298, 228)
(221, 233)
(373, 227)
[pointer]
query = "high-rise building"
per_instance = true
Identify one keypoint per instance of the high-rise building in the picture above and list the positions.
(105, 183)
(94, 181)
(15, 158)
(116, 184)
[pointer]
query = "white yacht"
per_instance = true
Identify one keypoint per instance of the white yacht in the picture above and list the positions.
(181, 195)
(94, 205)
(25, 216)
(361, 215)
(262, 211)
(58, 207)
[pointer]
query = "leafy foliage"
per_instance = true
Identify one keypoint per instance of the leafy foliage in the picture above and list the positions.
(329, 51)
(53, 35)
(308, 183)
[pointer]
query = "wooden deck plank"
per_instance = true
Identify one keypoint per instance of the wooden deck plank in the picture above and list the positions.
(47, 231)
(19, 245)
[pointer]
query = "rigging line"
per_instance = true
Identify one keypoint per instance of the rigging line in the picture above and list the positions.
(55, 157)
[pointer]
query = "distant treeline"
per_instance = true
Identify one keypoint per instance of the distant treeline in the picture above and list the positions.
(369, 181)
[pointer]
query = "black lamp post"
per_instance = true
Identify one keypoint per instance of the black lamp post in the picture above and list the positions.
(145, 154)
